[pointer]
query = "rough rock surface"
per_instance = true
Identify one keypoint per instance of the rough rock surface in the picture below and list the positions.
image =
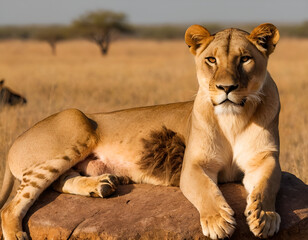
(152, 212)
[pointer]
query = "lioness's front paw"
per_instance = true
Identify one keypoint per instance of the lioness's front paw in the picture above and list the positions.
(219, 225)
(261, 223)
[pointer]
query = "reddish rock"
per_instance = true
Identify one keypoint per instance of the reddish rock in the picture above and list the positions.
(152, 212)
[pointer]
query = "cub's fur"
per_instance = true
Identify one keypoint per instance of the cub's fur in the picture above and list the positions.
(229, 132)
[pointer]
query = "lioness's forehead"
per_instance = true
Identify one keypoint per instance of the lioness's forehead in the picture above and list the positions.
(229, 39)
(230, 33)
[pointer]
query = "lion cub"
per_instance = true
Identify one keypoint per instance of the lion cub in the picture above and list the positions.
(229, 132)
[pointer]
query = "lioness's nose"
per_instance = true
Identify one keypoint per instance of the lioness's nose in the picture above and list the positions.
(227, 88)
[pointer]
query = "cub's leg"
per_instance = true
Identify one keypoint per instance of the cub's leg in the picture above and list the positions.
(33, 183)
(95, 186)
(262, 181)
(200, 189)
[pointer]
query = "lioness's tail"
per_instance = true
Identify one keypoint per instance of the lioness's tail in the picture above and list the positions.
(7, 185)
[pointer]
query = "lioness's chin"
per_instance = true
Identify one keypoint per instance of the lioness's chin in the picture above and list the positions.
(228, 108)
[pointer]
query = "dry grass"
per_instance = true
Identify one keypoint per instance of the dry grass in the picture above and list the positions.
(289, 67)
(137, 73)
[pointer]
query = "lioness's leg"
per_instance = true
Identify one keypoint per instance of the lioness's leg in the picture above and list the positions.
(33, 183)
(262, 181)
(216, 216)
(40, 155)
(97, 186)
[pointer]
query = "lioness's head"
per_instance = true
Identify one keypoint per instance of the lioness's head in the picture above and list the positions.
(232, 64)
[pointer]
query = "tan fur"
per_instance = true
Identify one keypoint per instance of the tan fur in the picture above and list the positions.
(229, 132)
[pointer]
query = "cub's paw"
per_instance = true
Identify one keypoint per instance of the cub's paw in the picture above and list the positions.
(219, 225)
(107, 184)
(262, 224)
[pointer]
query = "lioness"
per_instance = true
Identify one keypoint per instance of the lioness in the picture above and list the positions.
(229, 132)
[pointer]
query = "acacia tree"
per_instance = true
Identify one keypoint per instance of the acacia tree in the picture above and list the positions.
(99, 26)
(52, 35)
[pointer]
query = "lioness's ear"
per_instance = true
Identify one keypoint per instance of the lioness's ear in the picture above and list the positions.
(1, 82)
(265, 38)
(196, 36)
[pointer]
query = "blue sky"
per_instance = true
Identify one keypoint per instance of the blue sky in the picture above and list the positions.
(156, 11)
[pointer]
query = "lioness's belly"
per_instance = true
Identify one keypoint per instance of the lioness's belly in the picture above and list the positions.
(107, 159)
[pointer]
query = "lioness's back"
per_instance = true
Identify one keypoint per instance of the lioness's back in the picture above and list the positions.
(174, 116)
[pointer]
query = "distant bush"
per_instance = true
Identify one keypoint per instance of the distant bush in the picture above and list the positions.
(53, 34)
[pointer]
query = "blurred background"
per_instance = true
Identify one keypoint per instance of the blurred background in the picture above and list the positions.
(104, 55)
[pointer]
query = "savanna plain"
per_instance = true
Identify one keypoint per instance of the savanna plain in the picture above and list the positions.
(137, 73)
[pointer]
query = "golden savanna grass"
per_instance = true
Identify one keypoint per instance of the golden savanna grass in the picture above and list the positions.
(137, 73)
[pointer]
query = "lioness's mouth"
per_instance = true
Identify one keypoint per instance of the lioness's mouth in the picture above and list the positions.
(227, 100)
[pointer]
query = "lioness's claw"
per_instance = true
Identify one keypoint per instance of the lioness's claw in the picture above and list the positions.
(219, 226)
(261, 223)
(107, 185)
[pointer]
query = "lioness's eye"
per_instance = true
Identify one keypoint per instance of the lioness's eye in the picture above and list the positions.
(245, 59)
(211, 59)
